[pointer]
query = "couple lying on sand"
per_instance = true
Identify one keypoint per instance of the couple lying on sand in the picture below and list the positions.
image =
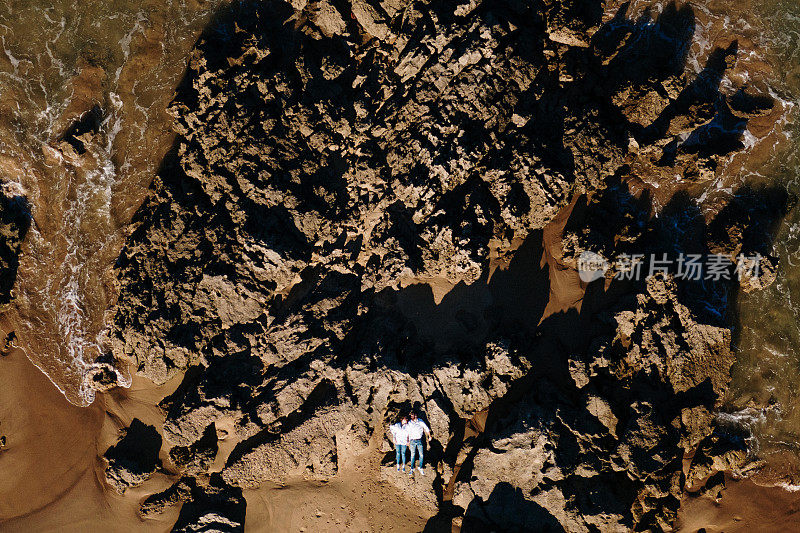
(407, 433)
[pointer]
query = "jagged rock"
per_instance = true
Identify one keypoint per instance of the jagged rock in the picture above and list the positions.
(206, 505)
(609, 453)
(213, 506)
(179, 492)
(714, 486)
(199, 455)
(742, 233)
(221, 391)
(134, 458)
(330, 156)
(309, 450)
(722, 451)
(270, 209)
(757, 273)
(655, 331)
(471, 390)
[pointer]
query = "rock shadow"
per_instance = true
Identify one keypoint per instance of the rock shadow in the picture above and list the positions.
(507, 505)
(135, 457)
(512, 300)
(15, 220)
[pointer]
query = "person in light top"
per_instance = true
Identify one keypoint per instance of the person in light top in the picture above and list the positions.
(399, 431)
(416, 428)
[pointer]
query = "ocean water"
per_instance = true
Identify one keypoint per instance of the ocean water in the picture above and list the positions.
(765, 388)
(114, 65)
(764, 395)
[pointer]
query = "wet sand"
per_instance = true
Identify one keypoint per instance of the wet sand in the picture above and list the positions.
(50, 443)
(744, 507)
(52, 466)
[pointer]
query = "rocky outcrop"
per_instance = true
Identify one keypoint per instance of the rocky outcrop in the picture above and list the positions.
(134, 458)
(15, 219)
(198, 456)
(206, 505)
(306, 157)
(333, 157)
(600, 441)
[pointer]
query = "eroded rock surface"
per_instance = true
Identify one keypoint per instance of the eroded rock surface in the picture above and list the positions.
(332, 157)
(134, 458)
(206, 505)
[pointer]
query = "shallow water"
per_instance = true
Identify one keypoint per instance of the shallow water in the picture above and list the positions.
(765, 389)
(764, 395)
(58, 61)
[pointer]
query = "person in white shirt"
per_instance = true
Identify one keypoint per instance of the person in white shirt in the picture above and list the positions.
(416, 428)
(399, 433)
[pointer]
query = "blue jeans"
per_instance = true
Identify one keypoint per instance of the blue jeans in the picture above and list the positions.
(400, 454)
(416, 444)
